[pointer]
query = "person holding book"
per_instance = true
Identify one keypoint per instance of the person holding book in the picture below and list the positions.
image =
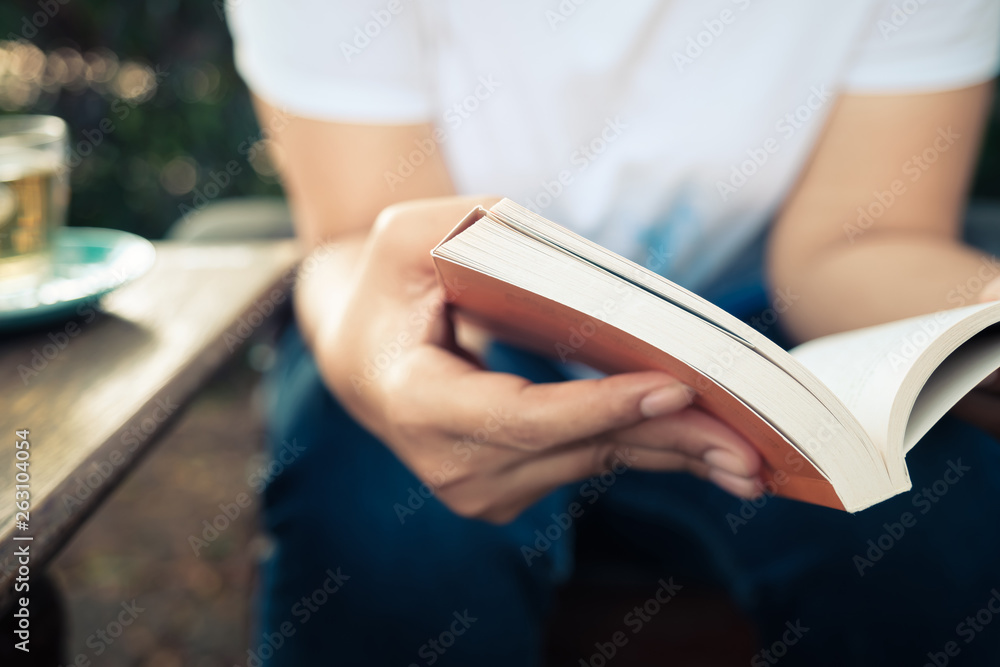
(804, 160)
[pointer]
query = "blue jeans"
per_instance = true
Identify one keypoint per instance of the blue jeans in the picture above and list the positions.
(367, 570)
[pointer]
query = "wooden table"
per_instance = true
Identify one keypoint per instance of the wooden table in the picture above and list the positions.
(96, 393)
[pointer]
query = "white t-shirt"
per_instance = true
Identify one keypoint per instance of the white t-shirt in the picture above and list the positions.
(669, 131)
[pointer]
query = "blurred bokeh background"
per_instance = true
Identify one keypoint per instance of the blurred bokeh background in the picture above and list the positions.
(154, 105)
(155, 110)
(160, 74)
(160, 125)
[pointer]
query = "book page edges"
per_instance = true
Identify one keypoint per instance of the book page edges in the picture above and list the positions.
(538, 324)
(470, 217)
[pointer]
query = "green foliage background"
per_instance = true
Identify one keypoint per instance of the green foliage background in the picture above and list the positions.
(119, 185)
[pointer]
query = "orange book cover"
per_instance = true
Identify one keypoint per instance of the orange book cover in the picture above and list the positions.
(554, 330)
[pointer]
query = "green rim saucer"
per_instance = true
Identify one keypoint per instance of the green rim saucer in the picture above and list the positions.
(85, 264)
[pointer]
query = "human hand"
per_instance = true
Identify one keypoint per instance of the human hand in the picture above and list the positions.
(392, 360)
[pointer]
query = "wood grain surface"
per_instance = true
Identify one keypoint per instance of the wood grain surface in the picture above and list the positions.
(95, 393)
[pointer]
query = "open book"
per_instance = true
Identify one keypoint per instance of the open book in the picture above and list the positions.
(833, 418)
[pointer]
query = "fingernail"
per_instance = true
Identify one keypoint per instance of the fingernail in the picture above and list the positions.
(666, 400)
(727, 461)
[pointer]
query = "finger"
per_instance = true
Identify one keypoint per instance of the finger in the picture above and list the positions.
(539, 476)
(741, 487)
(698, 435)
(407, 231)
(451, 392)
(530, 480)
(555, 467)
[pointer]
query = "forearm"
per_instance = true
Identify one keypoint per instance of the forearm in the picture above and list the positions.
(862, 239)
(881, 278)
(334, 175)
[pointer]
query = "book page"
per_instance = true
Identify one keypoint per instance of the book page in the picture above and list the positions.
(532, 322)
(551, 234)
(869, 368)
(954, 378)
(538, 296)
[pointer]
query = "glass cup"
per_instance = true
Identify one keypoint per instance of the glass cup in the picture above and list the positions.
(34, 193)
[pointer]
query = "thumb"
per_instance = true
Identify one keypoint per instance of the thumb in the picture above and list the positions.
(455, 396)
